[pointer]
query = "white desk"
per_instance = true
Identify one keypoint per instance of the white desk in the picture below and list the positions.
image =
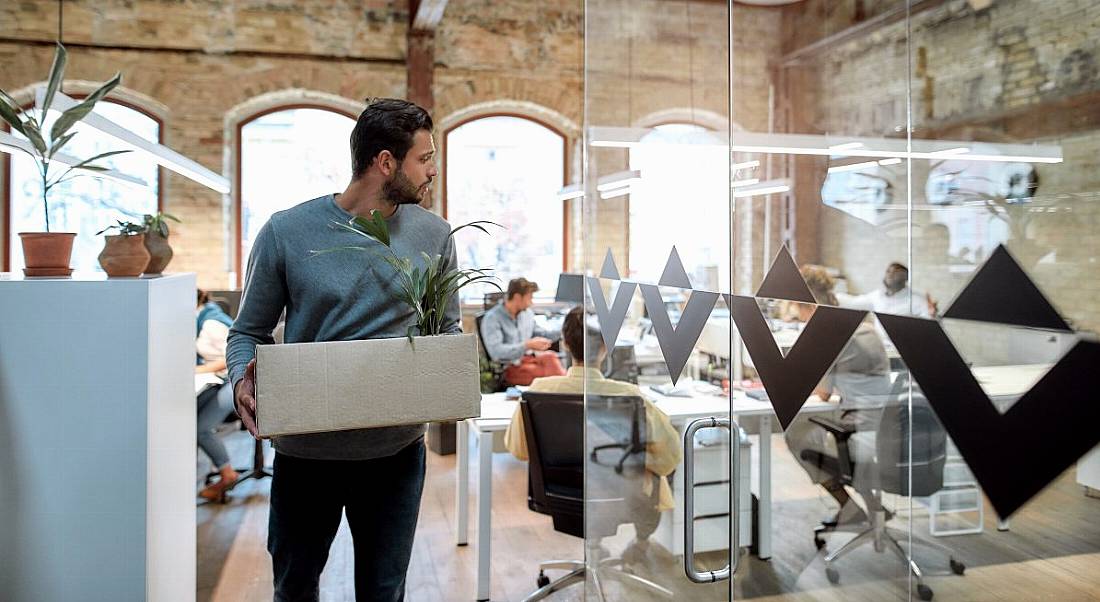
(1001, 383)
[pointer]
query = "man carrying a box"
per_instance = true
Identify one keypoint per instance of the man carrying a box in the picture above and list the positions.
(375, 476)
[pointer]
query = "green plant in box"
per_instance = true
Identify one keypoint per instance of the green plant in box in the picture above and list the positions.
(427, 288)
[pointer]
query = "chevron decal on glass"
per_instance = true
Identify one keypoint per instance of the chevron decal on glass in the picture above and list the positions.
(1001, 292)
(609, 269)
(1015, 455)
(784, 281)
(674, 274)
(611, 319)
(791, 379)
(677, 342)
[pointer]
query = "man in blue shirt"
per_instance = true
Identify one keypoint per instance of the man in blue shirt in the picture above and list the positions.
(373, 476)
(511, 335)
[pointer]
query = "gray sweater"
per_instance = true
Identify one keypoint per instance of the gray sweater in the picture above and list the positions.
(343, 296)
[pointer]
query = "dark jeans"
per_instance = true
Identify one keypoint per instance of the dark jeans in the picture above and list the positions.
(381, 498)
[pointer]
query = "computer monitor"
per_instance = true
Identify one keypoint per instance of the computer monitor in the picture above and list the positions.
(570, 288)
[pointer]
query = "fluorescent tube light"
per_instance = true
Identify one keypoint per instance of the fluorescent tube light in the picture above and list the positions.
(766, 187)
(892, 161)
(740, 183)
(846, 146)
(610, 194)
(853, 166)
(745, 165)
(10, 144)
(158, 153)
(572, 191)
(618, 180)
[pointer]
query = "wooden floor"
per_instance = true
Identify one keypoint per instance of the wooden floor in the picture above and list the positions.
(1052, 551)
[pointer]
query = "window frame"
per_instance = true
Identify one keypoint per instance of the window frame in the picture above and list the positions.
(567, 205)
(238, 184)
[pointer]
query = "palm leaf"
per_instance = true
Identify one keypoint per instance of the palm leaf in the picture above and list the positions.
(57, 73)
(30, 130)
(476, 224)
(70, 117)
(335, 249)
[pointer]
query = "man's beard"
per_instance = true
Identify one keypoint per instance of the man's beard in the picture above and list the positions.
(400, 190)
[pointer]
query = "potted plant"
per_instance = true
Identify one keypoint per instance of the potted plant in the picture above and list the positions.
(374, 383)
(124, 253)
(156, 241)
(48, 253)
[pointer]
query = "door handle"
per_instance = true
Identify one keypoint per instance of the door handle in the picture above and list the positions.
(689, 501)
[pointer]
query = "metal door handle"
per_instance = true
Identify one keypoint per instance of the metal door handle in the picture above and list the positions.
(689, 501)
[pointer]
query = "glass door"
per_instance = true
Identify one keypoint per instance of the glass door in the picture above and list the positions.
(656, 221)
(853, 244)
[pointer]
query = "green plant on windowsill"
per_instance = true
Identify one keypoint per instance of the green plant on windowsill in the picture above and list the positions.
(427, 289)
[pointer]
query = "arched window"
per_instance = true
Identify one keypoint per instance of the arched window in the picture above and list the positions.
(507, 169)
(684, 176)
(85, 205)
(288, 155)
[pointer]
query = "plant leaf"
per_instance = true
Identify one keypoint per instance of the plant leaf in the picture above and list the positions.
(57, 73)
(59, 144)
(85, 163)
(32, 133)
(476, 224)
(70, 117)
(10, 114)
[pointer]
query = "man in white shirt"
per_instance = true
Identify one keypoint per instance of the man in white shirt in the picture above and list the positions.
(894, 296)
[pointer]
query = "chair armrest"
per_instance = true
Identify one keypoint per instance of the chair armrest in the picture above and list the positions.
(839, 430)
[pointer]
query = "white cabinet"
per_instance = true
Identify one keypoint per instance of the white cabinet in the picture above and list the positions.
(97, 438)
(712, 481)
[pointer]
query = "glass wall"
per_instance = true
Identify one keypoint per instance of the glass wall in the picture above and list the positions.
(905, 310)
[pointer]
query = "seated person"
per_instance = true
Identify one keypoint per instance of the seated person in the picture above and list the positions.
(510, 335)
(663, 447)
(861, 376)
(213, 329)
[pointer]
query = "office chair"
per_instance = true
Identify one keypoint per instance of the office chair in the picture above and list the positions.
(554, 428)
(614, 423)
(889, 473)
(496, 368)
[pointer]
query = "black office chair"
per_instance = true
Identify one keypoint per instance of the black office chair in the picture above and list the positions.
(495, 368)
(891, 472)
(554, 429)
(491, 299)
(622, 365)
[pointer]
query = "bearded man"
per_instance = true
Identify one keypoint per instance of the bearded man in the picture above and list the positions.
(375, 476)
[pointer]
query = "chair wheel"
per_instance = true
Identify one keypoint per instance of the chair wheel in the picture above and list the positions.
(924, 592)
(833, 575)
(818, 542)
(957, 567)
(543, 580)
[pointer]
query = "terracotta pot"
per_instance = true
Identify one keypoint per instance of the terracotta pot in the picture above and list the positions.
(160, 252)
(47, 253)
(124, 255)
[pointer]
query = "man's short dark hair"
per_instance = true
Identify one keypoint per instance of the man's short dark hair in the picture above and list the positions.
(521, 286)
(576, 330)
(898, 266)
(386, 124)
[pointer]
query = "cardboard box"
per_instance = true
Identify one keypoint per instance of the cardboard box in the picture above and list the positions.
(340, 385)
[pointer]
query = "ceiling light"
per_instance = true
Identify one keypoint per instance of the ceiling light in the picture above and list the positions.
(158, 153)
(740, 183)
(618, 180)
(10, 144)
(572, 191)
(892, 161)
(766, 187)
(854, 166)
(610, 194)
(745, 165)
(846, 146)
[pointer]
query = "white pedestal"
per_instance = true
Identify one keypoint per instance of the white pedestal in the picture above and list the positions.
(97, 438)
